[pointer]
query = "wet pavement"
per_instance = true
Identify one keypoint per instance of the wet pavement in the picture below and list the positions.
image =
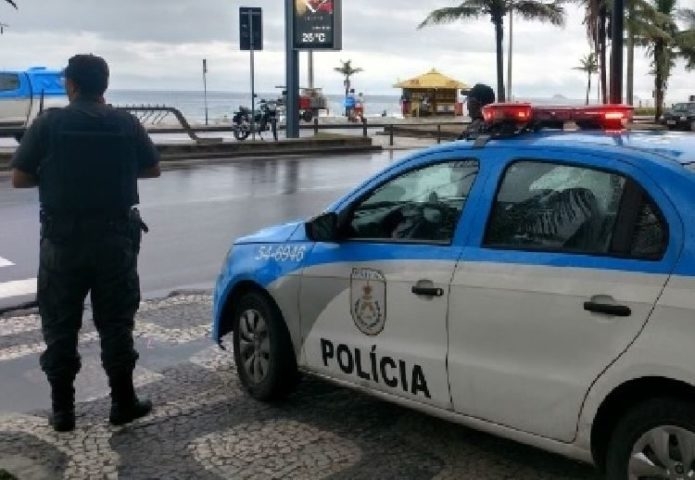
(205, 427)
(193, 213)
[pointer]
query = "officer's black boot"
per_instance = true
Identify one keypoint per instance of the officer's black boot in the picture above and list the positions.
(62, 419)
(125, 405)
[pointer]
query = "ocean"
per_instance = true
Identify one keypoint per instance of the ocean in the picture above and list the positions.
(222, 105)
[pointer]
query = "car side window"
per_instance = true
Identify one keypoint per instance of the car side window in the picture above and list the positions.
(422, 205)
(649, 237)
(549, 206)
(9, 81)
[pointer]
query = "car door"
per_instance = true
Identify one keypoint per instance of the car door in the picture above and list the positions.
(568, 262)
(15, 99)
(374, 305)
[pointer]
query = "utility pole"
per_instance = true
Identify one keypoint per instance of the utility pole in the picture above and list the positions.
(311, 69)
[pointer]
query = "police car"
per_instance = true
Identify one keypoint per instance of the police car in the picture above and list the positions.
(531, 282)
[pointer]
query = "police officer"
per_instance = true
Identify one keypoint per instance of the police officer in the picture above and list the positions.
(478, 96)
(86, 159)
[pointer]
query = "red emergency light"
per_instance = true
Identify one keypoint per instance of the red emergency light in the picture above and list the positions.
(606, 117)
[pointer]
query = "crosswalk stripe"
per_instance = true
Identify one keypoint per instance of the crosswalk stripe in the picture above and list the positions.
(17, 288)
(5, 262)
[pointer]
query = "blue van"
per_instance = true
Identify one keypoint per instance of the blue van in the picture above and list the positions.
(25, 94)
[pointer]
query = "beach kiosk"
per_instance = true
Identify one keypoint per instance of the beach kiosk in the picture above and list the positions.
(431, 94)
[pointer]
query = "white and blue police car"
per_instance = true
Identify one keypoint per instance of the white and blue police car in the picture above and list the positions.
(534, 283)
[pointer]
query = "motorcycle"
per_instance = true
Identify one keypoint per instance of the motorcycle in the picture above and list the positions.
(265, 119)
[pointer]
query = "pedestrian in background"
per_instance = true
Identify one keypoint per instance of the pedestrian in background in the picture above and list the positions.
(350, 102)
(86, 159)
(478, 96)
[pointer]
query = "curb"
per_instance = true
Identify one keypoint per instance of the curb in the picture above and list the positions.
(236, 150)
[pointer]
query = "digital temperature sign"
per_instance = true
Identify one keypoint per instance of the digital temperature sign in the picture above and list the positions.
(317, 25)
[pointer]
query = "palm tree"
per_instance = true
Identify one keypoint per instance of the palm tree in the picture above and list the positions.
(3, 25)
(347, 70)
(596, 22)
(666, 42)
(641, 20)
(496, 10)
(589, 65)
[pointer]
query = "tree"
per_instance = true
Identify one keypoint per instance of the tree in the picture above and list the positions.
(589, 65)
(596, 22)
(666, 42)
(496, 10)
(347, 70)
(2, 25)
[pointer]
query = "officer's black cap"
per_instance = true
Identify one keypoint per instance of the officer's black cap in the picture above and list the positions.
(89, 72)
(481, 92)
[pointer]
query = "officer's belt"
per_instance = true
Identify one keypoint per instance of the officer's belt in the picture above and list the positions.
(62, 225)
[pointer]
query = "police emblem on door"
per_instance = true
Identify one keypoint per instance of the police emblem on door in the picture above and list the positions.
(368, 300)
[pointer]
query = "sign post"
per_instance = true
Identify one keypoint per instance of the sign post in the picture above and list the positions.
(251, 39)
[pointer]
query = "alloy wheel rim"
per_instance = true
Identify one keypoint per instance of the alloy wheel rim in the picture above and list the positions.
(254, 345)
(664, 452)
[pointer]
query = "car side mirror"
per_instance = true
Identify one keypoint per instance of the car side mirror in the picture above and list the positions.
(323, 228)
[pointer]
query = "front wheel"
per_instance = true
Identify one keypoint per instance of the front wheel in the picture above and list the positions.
(655, 440)
(263, 350)
(242, 131)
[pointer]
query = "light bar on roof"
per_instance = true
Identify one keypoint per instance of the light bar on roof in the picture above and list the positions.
(606, 117)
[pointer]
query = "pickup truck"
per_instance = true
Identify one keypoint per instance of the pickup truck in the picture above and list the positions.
(25, 94)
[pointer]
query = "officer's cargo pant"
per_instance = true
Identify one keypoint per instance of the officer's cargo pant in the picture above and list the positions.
(79, 258)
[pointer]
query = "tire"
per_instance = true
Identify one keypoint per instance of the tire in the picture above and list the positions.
(242, 132)
(692, 126)
(307, 115)
(263, 350)
(665, 417)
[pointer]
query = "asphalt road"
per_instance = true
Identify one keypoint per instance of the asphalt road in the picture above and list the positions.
(193, 213)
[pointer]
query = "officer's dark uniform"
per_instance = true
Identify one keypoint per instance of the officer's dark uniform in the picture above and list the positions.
(86, 157)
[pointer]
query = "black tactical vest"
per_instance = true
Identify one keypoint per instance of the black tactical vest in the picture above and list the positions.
(91, 168)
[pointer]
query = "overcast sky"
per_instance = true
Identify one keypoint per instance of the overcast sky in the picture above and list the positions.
(160, 44)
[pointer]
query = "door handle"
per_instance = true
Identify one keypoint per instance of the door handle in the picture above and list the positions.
(608, 309)
(427, 291)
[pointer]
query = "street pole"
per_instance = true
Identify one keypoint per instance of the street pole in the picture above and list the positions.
(617, 24)
(291, 74)
(205, 88)
(311, 69)
(509, 60)
(253, 80)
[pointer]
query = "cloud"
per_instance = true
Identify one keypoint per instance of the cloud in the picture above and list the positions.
(158, 44)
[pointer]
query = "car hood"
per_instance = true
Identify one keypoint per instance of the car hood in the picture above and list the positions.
(288, 232)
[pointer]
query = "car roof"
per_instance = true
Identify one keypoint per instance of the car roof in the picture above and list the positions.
(670, 146)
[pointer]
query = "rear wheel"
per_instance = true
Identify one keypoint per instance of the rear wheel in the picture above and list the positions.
(263, 350)
(655, 440)
(307, 115)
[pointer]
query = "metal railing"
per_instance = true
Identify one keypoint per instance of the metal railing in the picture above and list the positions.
(155, 114)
